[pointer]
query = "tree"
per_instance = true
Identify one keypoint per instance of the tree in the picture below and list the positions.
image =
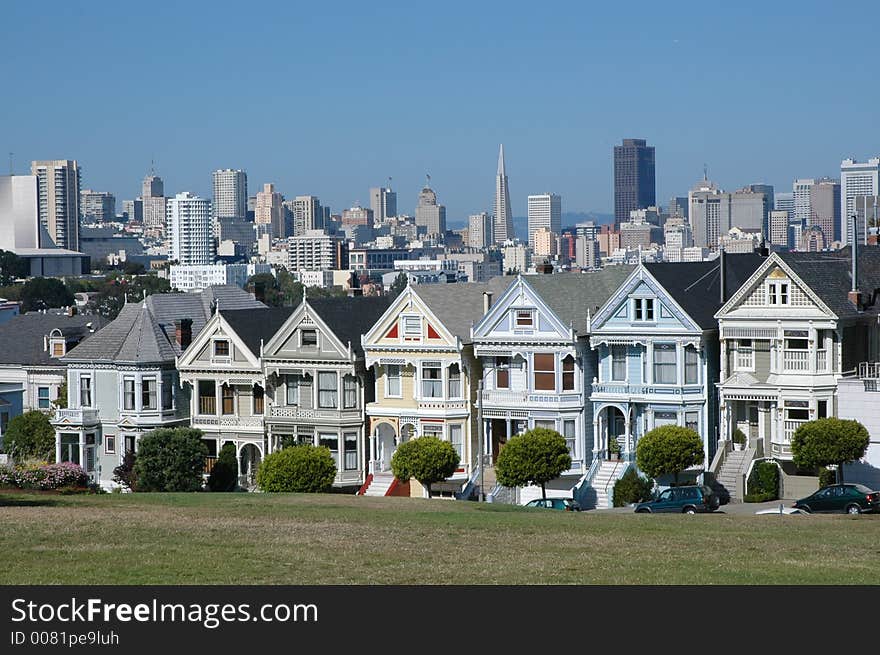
(632, 488)
(117, 287)
(30, 436)
(125, 474)
(399, 284)
(224, 474)
(12, 267)
(829, 441)
(305, 468)
(533, 457)
(427, 459)
(43, 293)
(61, 401)
(170, 459)
(669, 449)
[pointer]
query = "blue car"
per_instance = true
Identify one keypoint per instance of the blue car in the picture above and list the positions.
(567, 504)
(691, 499)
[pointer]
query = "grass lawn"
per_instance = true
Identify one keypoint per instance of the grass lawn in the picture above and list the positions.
(334, 539)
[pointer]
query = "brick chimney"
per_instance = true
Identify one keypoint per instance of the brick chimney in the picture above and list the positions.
(183, 332)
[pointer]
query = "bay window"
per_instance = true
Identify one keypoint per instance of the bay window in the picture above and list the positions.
(328, 390)
(349, 441)
(148, 393)
(227, 396)
(128, 394)
(618, 363)
(331, 442)
(664, 363)
(691, 365)
(456, 440)
(349, 392)
(392, 381)
(502, 373)
(545, 371)
(85, 391)
(568, 373)
(432, 380)
(454, 381)
(291, 389)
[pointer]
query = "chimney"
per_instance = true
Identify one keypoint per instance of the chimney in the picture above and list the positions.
(487, 301)
(854, 295)
(71, 311)
(722, 267)
(183, 332)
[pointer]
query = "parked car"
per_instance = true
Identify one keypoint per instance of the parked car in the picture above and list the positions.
(567, 504)
(846, 497)
(689, 499)
(782, 510)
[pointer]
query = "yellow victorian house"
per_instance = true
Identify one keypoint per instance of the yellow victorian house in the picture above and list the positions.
(426, 380)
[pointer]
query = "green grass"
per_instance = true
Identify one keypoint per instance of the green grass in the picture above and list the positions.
(334, 539)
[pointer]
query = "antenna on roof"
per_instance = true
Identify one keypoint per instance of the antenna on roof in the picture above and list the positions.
(705, 173)
(11, 169)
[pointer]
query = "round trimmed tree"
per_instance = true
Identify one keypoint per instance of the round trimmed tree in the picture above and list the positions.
(224, 474)
(30, 436)
(427, 459)
(170, 459)
(533, 457)
(829, 441)
(669, 450)
(304, 468)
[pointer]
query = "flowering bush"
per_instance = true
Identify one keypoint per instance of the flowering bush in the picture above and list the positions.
(48, 476)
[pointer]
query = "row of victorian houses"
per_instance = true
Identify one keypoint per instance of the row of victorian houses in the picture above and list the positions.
(752, 342)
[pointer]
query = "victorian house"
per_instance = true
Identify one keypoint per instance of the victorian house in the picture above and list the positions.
(799, 323)
(122, 381)
(226, 386)
(657, 344)
(426, 377)
(537, 366)
(317, 384)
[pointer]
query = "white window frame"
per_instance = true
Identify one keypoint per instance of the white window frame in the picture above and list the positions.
(352, 387)
(435, 382)
(690, 348)
(571, 441)
(215, 354)
(302, 333)
(125, 382)
(398, 378)
(449, 380)
(641, 308)
(155, 394)
(527, 314)
(408, 325)
(459, 443)
(744, 356)
(288, 386)
(91, 389)
(611, 350)
(664, 347)
(40, 398)
(335, 389)
(775, 295)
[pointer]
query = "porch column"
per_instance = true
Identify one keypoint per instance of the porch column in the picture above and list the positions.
(626, 429)
(596, 445)
(82, 450)
(57, 447)
(723, 420)
(508, 422)
(762, 425)
(372, 451)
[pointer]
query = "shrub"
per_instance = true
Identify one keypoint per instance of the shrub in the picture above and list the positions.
(170, 459)
(829, 441)
(759, 497)
(427, 459)
(304, 468)
(613, 446)
(827, 477)
(669, 449)
(124, 474)
(224, 475)
(738, 437)
(632, 488)
(763, 482)
(30, 435)
(48, 476)
(533, 457)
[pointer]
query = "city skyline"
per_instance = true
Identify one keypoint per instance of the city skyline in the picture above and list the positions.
(566, 146)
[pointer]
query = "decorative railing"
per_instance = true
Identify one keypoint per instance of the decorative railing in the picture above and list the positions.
(796, 360)
(79, 415)
(821, 361)
(209, 464)
(504, 397)
(443, 405)
(207, 405)
(869, 370)
(229, 421)
(284, 411)
(789, 428)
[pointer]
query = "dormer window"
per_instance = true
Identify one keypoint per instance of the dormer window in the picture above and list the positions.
(412, 327)
(525, 318)
(778, 293)
(221, 348)
(58, 349)
(309, 338)
(643, 309)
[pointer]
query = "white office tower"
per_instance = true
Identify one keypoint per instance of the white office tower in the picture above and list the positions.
(545, 211)
(480, 230)
(856, 179)
(230, 194)
(97, 206)
(153, 195)
(269, 210)
(503, 219)
(801, 189)
(307, 214)
(189, 231)
(19, 218)
(58, 185)
(383, 202)
(429, 214)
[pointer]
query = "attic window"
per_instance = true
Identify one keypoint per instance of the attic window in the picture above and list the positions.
(309, 338)
(777, 293)
(57, 348)
(412, 326)
(525, 318)
(221, 348)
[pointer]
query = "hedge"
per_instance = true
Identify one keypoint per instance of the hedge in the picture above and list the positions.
(48, 476)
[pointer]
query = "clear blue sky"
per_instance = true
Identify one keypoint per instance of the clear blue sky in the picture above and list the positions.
(330, 98)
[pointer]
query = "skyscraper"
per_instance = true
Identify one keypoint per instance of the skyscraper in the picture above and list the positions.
(825, 208)
(19, 212)
(190, 233)
(383, 202)
(307, 214)
(713, 212)
(634, 180)
(856, 179)
(97, 206)
(58, 182)
(133, 210)
(502, 217)
(480, 230)
(429, 214)
(230, 194)
(801, 194)
(269, 210)
(784, 202)
(545, 211)
(153, 195)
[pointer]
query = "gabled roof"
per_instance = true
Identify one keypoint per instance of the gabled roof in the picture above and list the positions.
(351, 317)
(572, 295)
(144, 332)
(696, 286)
(21, 337)
(256, 325)
(458, 306)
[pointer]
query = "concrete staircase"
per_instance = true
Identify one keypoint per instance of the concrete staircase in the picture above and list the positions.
(603, 481)
(379, 485)
(734, 467)
(489, 480)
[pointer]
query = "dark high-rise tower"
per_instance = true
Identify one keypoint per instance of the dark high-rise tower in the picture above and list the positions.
(633, 178)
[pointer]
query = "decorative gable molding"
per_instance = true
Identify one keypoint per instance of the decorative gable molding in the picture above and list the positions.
(520, 295)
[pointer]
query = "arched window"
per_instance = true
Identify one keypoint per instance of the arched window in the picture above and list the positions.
(568, 373)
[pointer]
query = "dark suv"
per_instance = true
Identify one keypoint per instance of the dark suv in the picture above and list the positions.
(686, 500)
(567, 504)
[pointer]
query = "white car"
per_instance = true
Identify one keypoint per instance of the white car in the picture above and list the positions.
(782, 509)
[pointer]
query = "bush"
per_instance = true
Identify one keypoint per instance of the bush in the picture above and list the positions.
(427, 459)
(760, 497)
(30, 435)
(304, 468)
(48, 476)
(224, 475)
(533, 457)
(827, 477)
(738, 437)
(669, 450)
(124, 474)
(170, 459)
(829, 441)
(632, 488)
(763, 482)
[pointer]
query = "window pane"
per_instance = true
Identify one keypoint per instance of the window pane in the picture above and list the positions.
(349, 389)
(148, 393)
(618, 362)
(691, 365)
(455, 439)
(351, 455)
(502, 372)
(545, 373)
(309, 338)
(228, 397)
(330, 441)
(221, 348)
(454, 381)
(664, 363)
(327, 390)
(432, 383)
(292, 387)
(393, 380)
(568, 373)
(167, 392)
